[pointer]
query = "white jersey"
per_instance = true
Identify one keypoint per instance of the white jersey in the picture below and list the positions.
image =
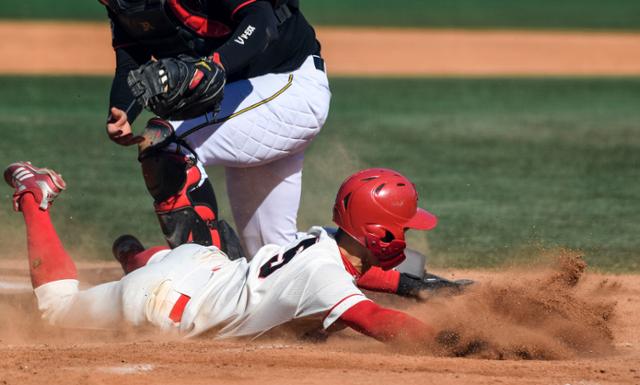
(306, 278)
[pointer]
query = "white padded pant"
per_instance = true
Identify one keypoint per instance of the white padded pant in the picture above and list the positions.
(259, 136)
(144, 295)
(99, 307)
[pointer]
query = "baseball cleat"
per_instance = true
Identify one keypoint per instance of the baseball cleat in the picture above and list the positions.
(125, 247)
(44, 184)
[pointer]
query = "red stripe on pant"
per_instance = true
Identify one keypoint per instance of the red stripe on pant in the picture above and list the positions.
(178, 308)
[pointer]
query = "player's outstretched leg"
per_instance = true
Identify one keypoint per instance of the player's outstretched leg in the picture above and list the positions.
(35, 190)
(53, 273)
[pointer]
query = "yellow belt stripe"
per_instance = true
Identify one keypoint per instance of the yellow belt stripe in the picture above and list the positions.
(258, 104)
(242, 111)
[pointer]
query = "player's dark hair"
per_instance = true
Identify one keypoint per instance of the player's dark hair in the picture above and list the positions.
(338, 235)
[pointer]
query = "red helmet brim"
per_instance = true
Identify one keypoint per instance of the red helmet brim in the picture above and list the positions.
(423, 220)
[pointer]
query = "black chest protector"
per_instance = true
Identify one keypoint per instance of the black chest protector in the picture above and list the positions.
(155, 25)
(171, 27)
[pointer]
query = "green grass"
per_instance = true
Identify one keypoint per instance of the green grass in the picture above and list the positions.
(572, 14)
(510, 166)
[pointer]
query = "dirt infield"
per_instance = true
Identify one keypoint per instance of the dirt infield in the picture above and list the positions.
(546, 324)
(83, 48)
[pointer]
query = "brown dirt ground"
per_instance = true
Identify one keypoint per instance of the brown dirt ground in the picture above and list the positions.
(83, 48)
(542, 324)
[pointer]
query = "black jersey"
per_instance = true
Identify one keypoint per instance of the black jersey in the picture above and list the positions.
(250, 37)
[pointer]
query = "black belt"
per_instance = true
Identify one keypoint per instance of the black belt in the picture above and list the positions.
(319, 63)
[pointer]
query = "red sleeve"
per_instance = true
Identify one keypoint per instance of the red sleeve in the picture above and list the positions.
(384, 324)
(376, 279)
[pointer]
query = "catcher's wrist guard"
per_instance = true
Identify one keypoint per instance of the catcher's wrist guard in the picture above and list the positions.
(179, 88)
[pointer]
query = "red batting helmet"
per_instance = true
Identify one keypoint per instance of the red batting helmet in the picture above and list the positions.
(375, 206)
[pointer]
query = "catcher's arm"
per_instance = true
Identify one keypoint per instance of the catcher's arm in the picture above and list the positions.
(123, 108)
(119, 128)
(387, 325)
(257, 27)
(129, 56)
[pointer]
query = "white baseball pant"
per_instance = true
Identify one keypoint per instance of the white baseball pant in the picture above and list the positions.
(259, 136)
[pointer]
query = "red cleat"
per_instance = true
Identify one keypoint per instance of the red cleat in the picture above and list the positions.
(44, 184)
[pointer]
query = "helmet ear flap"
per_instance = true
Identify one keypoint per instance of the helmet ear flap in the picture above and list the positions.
(377, 237)
(383, 244)
(377, 230)
(373, 237)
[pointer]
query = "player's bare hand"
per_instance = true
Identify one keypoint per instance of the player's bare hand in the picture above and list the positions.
(119, 129)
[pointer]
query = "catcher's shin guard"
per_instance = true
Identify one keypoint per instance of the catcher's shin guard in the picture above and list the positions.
(186, 205)
(183, 198)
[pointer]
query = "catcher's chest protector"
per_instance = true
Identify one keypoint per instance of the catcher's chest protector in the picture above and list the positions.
(171, 27)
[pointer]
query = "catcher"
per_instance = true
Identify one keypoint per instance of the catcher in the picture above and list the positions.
(194, 288)
(234, 83)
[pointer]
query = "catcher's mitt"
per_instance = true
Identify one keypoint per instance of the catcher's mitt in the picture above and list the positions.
(178, 88)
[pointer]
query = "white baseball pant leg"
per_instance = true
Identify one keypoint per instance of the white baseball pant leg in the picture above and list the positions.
(63, 304)
(146, 295)
(259, 136)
